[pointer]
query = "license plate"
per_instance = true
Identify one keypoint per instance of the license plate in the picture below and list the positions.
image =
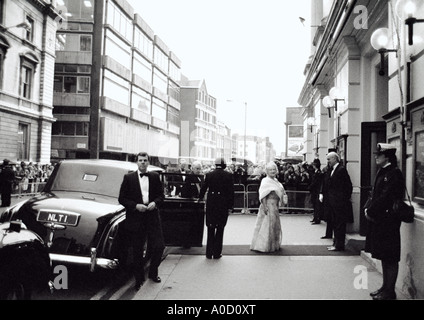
(59, 217)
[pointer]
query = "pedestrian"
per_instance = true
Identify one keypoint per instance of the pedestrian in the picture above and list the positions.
(338, 192)
(267, 234)
(291, 181)
(191, 189)
(219, 204)
(193, 181)
(7, 179)
(383, 228)
(314, 189)
(326, 215)
(142, 194)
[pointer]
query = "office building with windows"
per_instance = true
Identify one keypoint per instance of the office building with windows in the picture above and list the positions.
(116, 85)
(198, 121)
(27, 57)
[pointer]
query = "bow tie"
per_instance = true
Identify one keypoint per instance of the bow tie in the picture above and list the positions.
(143, 175)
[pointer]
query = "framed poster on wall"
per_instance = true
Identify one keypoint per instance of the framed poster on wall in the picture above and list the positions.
(419, 168)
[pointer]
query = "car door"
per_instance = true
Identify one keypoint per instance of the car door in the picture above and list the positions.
(182, 217)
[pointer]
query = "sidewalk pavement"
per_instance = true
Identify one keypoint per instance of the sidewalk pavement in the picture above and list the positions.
(259, 277)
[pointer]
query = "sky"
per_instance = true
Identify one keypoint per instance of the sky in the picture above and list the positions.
(250, 52)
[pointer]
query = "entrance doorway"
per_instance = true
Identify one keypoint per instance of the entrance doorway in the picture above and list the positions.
(371, 134)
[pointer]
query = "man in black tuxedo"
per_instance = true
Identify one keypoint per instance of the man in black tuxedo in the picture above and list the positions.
(337, 194)
(314, 189)
(219, 204)
(142, 194)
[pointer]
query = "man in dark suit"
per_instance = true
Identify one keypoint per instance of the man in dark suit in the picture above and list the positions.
(314, 189)
(142, 194)
(7, 178)
(193, 181)
(219, 204)
(337, 194)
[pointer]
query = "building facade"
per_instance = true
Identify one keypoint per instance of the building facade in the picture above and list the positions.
(258, 150)
(199, 129)
(357, 96)
(116, 86)
(27, 58)
(224, 142)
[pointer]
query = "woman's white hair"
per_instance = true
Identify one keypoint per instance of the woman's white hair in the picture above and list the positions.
(271, 165)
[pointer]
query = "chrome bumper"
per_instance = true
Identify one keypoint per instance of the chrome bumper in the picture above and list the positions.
(88, 261)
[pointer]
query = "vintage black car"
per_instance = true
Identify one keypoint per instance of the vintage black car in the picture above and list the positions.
(78, 215)
(25, 265)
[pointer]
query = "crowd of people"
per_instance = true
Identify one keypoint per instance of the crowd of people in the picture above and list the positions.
(26, 177)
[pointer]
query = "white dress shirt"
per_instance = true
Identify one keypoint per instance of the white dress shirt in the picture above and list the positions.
(144, 186)
(334, 168)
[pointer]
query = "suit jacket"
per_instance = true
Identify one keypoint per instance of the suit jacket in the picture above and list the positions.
(338, 191)
(316, 183)
(130, 195)
(220, 186)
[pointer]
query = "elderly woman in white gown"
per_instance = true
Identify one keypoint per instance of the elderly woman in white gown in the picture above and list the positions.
(267, 235)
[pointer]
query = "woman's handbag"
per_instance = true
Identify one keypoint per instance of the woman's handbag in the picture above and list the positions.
(404, 211)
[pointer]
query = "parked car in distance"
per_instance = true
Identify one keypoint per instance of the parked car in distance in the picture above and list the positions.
(80, 219)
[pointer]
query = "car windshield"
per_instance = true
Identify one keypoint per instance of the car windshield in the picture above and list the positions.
(89, 178)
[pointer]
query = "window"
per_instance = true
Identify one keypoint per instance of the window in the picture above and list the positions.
(160, 81)
(142, 68)
(83, 85)
(71, 110)
(1, 11)
(27, 78)
(161, 59)
(23, 141)
(85, 43)
(144, 44)
(141, 100)
(173, 116)
(4, 45)
(79, 9)
(116, 88)
(159, 109)
(30, 31)
(119, 21)
(118, 50)
(70, 128)
(72, 84)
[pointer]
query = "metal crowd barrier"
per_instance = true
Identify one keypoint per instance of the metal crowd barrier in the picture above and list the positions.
(246, 200)
(27, 189)
(239, 198)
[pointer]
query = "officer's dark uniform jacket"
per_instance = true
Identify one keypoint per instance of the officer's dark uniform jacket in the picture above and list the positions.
(220, 198)
(383, 233)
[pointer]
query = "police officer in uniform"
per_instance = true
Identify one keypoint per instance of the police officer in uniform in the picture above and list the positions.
(383, 232)
(219, 203)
